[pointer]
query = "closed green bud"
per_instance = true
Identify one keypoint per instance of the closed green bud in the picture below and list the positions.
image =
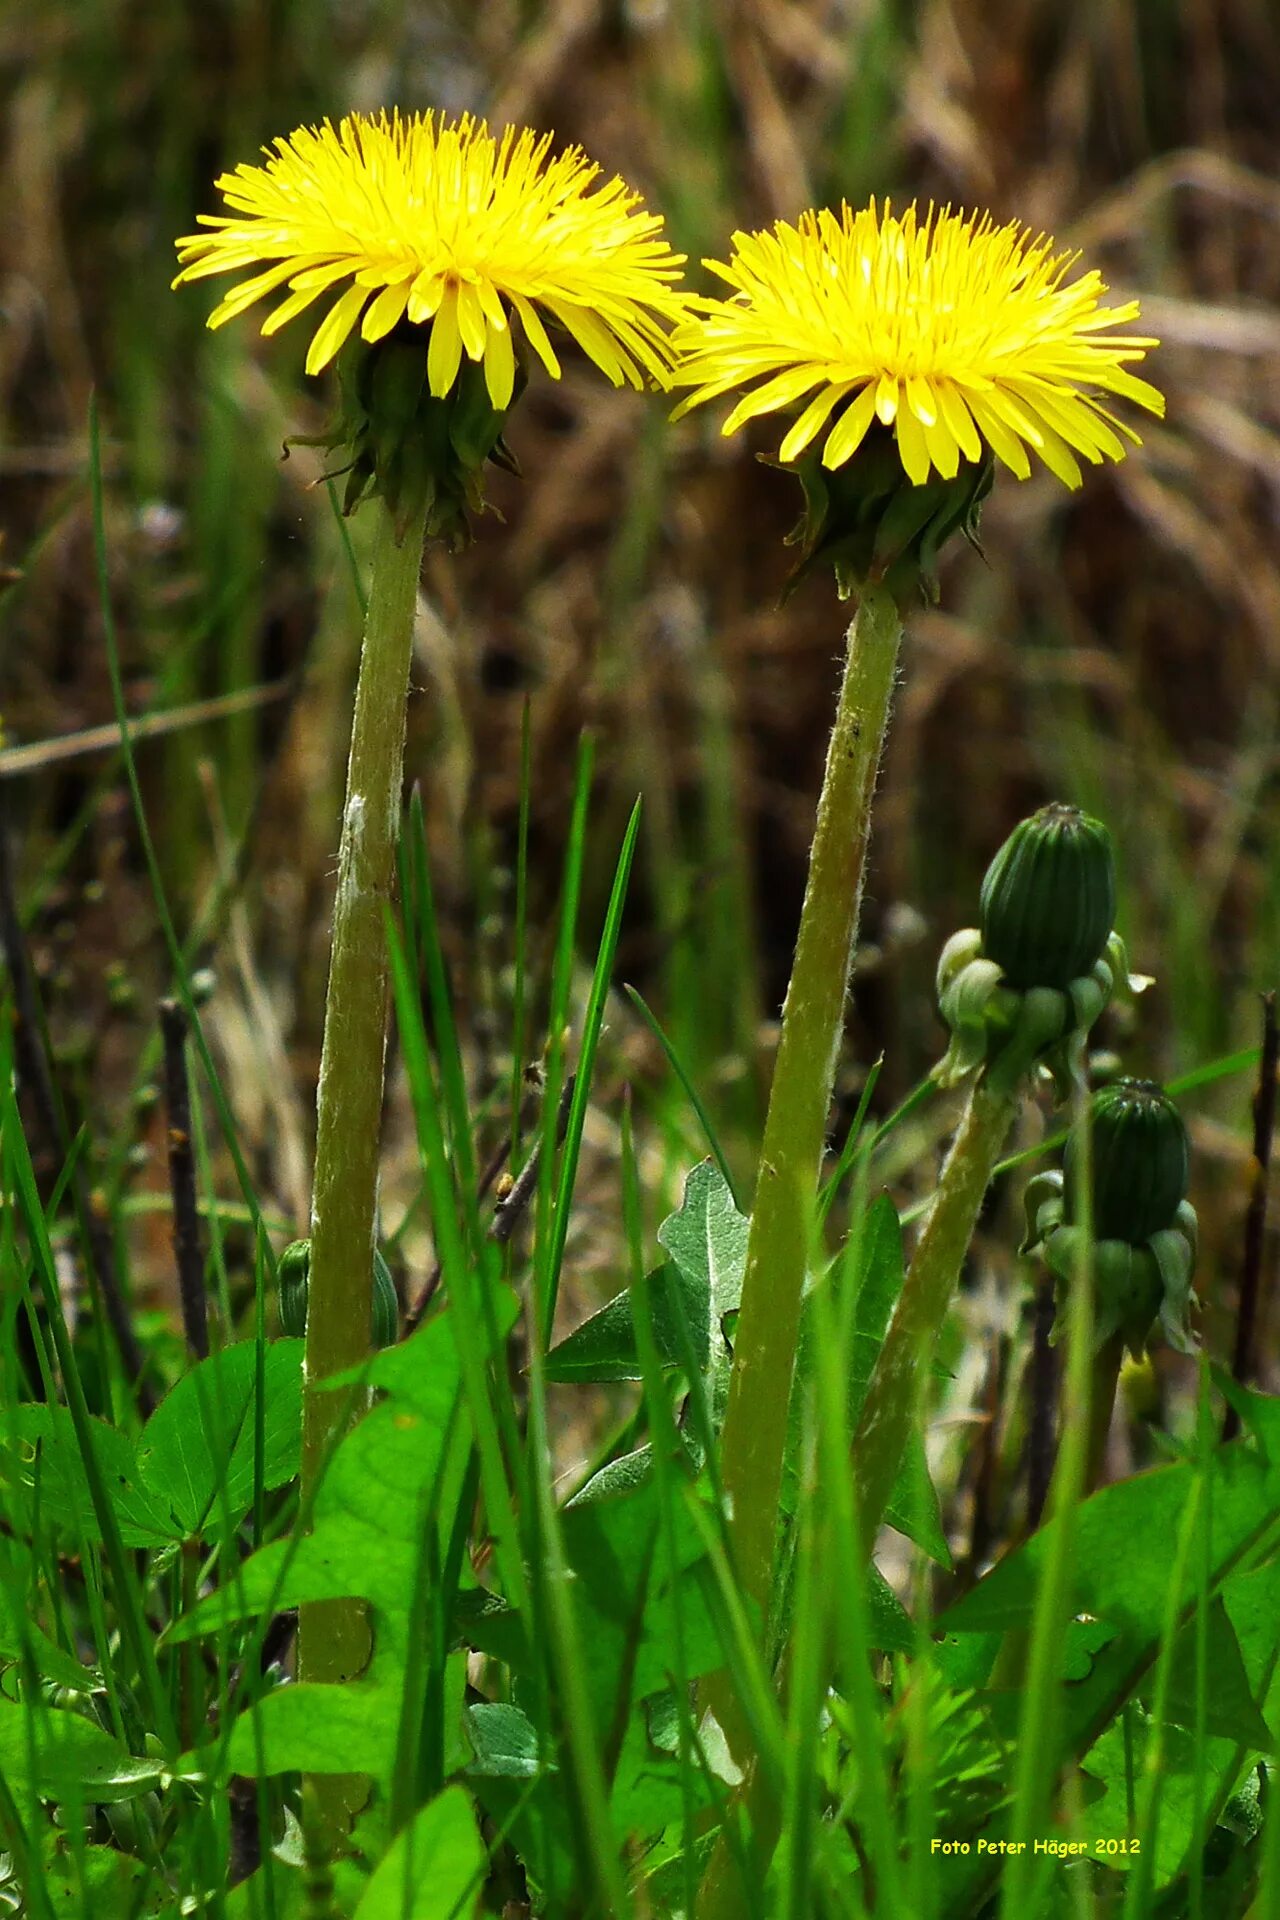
(386, 1307)
(1141, 1162)
(1049, 899)
(293, 1276)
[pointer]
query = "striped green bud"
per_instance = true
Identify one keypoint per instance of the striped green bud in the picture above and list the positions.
(1141, 1162)
(1049, 899)
(293, 1275)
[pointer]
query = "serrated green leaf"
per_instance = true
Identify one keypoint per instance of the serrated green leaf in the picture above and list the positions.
(196, 1455)
(707, 1239)
(434, 1869)
(1231, 1711)
(889, 1625)
(604, 1346)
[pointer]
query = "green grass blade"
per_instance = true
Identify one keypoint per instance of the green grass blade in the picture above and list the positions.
(600, 983)
(690, 1091)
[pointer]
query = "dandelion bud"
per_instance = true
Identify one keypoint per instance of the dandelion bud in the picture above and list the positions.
(293, 1275)
(1048, 899)
(386, 1307)
(1141, 1162)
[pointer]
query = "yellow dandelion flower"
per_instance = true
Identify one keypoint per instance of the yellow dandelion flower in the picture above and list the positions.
(948, 330)
(433, 221)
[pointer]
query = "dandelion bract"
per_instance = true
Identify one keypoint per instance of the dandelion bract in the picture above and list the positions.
(438, 222)
(947, 329)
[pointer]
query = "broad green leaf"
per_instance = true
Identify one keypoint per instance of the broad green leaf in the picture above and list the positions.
(1106, 1763)
(106, 1884)
(317, 1729)
(604, 1347)
(1120, 1548)
(395, 1481)
(1120, 1571)
(626, 1595)
(196, 1452)
(434, 1869)
(1231, 1710)
(21, 1638)
(43, 1472)
(367, 1534)
(1244, 1644)
(62, 1756)
(651, 1780)
(310, 1728)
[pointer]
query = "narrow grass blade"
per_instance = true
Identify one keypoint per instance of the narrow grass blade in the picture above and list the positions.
(686, 1081)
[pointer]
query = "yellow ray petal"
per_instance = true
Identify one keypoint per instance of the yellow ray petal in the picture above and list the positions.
(385, 312)
(887, 399)
(1003, 442)
(471, 324)
(912, 447)
(536, 334)
(334, 328)
(811, 421)
(849, 430)
(499, 367)
(444, 352)
(774, 394)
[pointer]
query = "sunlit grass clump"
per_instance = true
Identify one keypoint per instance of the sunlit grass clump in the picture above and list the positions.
(443, 224)
(948, 329)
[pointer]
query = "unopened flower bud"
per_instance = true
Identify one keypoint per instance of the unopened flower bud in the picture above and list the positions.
(293, 1275)
(1141, 1162)
(1049, 898)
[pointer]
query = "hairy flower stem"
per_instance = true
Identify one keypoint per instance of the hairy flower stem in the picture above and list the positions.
(926, 1294)
(764, 1343)
(333, 1637)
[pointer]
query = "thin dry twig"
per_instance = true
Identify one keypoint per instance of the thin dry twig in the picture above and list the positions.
(507, 1213)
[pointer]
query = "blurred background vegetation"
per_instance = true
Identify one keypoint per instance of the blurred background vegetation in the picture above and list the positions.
(1118, 648)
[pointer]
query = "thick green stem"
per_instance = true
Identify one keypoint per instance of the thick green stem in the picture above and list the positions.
(768, 1322)
(333, 1640)
(926, 1294)
(1104, 1375)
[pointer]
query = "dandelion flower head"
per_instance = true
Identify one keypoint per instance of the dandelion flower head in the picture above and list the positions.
(438, 222)
(950, 331)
